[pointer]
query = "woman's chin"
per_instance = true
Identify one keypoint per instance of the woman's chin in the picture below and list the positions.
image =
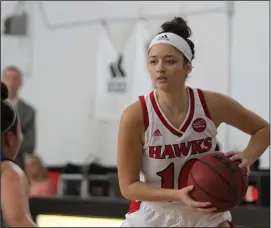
(164, 87)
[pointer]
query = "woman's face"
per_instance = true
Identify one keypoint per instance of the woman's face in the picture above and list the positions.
(32, 167)
(167, 67)
(12, 142)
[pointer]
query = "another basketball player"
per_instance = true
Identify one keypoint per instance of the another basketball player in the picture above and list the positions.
(170, 125)
(14, 184)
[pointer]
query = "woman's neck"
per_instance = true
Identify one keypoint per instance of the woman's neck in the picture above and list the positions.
(174, 101)
(7, 153)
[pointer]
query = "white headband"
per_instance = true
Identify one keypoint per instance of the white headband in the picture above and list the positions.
(174, 40)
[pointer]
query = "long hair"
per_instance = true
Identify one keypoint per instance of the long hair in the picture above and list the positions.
(43, 170)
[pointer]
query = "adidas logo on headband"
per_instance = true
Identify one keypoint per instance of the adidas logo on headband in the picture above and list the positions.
(164, 37)
(174, 40)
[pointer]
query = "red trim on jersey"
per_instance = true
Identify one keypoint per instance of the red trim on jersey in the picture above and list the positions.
(145, 112)
(134, 206)
(203, 104)
(188, 120)
(192, 110)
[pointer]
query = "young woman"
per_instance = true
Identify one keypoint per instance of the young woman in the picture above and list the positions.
(14, 184)
(171, 125)
(37, 173)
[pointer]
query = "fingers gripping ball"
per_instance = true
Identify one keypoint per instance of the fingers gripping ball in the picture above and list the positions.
(218, 180)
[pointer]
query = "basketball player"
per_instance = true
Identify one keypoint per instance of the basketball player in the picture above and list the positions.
(164, 129)
(14, 184)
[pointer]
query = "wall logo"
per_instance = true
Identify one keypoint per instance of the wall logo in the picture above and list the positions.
(117, 83)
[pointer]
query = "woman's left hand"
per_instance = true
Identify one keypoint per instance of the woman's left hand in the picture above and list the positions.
(239, 156)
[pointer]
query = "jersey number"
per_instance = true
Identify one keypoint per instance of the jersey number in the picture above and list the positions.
(167, 175)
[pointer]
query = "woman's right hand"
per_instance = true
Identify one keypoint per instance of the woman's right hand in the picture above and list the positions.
(184, 196)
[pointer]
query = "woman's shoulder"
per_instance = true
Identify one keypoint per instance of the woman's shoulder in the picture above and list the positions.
(133, 113)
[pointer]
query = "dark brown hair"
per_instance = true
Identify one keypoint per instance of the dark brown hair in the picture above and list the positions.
(179, 27)
(9, 118)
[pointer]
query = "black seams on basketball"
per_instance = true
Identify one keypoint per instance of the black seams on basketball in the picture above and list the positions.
(218, 180)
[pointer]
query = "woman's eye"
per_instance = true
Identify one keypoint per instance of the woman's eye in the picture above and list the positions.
(170, 61)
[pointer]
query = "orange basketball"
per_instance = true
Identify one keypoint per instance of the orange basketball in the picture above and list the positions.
(218, 180)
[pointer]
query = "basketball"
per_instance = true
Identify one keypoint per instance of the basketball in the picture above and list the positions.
(218, 180)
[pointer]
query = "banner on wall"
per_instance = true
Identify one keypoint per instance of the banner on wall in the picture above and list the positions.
(113, 79)
(142, 83)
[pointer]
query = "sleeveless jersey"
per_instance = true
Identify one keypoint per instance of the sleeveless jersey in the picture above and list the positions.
(168, 151)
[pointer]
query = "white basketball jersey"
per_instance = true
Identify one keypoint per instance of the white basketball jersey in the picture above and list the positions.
(168, 156)
(167, 149)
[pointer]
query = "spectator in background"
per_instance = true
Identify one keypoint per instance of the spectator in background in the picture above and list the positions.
(12, 77)
(252, 190)
(37, 173)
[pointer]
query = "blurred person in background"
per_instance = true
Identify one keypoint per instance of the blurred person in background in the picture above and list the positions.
(252, 190)
(13, 78)
(14, 184)
(37, 173)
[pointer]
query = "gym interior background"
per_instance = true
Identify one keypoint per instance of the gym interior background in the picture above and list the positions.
(83, 62)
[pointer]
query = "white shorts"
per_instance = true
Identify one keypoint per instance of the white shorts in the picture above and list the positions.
(173, 214)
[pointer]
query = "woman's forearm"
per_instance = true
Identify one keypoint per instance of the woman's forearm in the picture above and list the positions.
(146, 192)
(258, 143)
